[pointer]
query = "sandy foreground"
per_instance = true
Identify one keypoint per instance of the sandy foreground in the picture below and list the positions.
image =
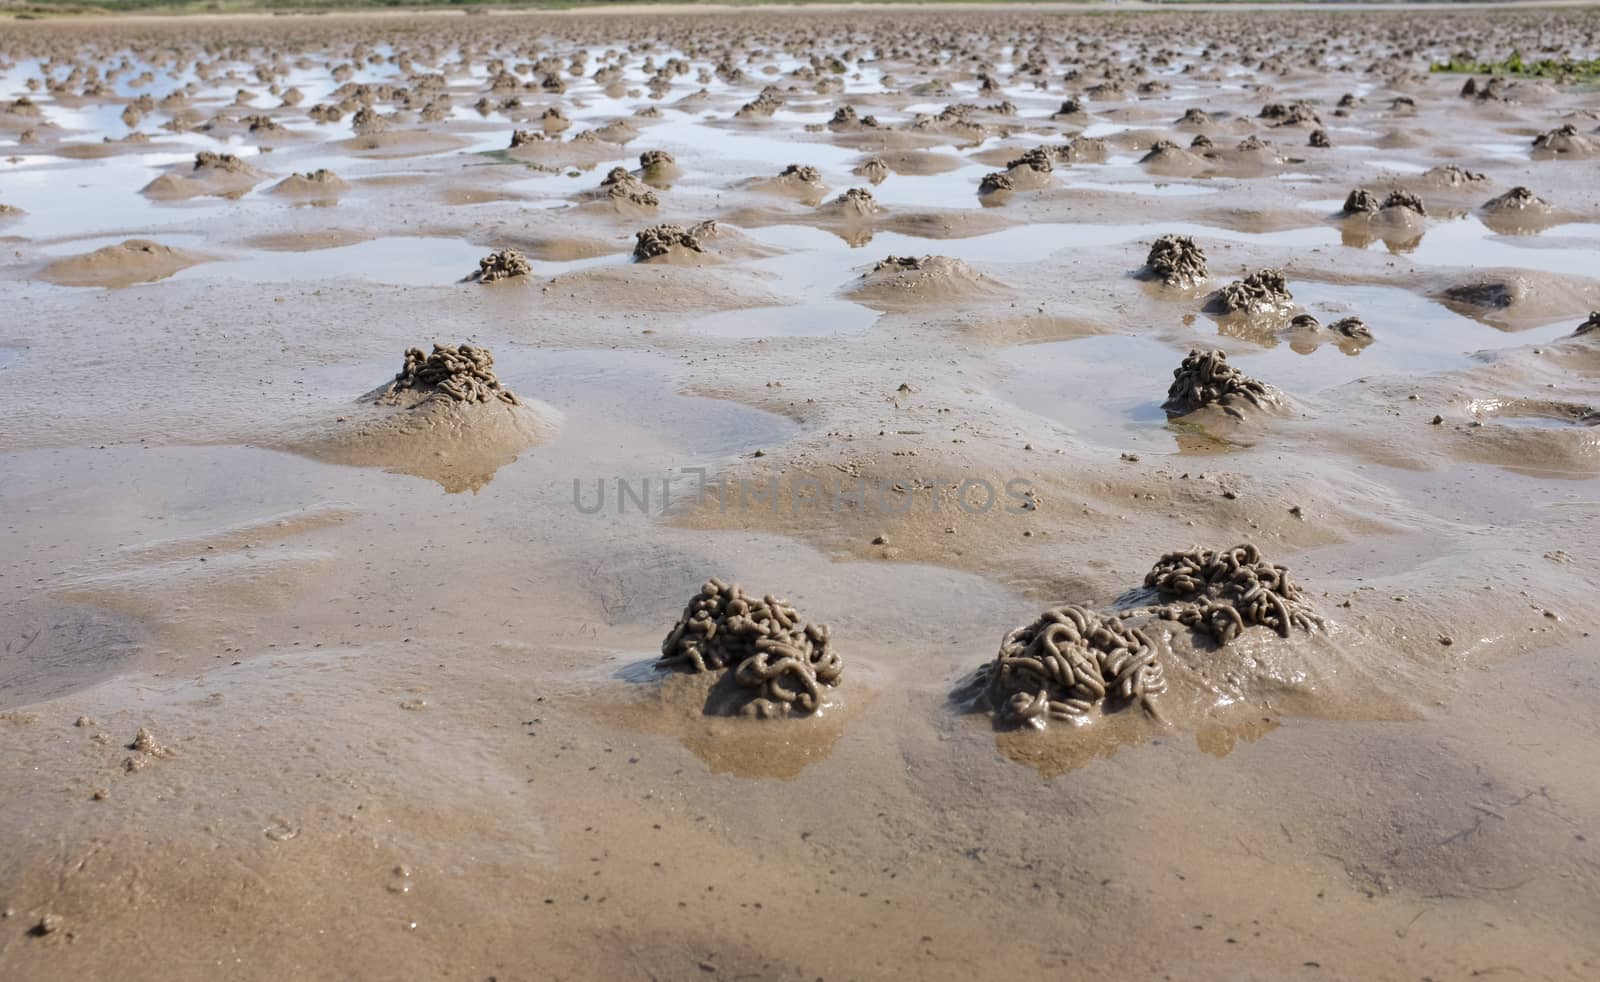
(308, 675)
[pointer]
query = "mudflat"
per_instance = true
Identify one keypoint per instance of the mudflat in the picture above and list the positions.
(801, 494)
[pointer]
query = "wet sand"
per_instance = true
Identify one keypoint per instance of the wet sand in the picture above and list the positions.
(397, 682)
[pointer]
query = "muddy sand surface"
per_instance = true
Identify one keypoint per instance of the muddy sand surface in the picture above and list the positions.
(1157, 454)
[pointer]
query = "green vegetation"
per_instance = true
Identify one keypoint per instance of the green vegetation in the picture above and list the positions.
(1519, 66)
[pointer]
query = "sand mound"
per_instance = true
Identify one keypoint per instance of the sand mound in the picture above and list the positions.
(445, 417)
(221, 174)
(622, 188)
(1361, 202)
(321, 182)
(1249, 155)
(1176, 261)
(1084, 149)
(1205, 379)
(854, 203)
(658, 167)
(1399, 220)
(1491, 294)
(673, 243)
(1448, 177)
(1299, 113)
(1506, 90)
(503, 265)
(800, 181)
(1518, 211)
(1067, 662)
(1262, 292)
(1166, 157)
(1403, 200)
(133, 261)
(1516, 299)
(1221, 593)
(1565, 141)
(873, 169)
(226, 163)
(996, 181)
(1520, 201)
(1073, 659)
(780, 663)
(904, 280)
(463, 372)
(1029, 172)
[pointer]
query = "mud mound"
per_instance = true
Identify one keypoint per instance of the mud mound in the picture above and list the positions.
(1029, 172)
(462, 372)
(1168, 158)
(621, 186)
(1262, 292)
(873, 169)
(1176, 261)
(1221, 593)
(1565, 141)
(1084, 149)
(902, 280)
(1449, 176)
(124, 264)
(1205, 379)
(220, 174)
(1506, 90)
(669, 242)
(1300, 113)
(1067, 662)
(493, 268)
(1254, 145)
(10, 211)
(995, 181)
(780, 662)
(445, 417)
(1399, 220)
(1361, 202)
(1039, 159)
(657, 166)
(1517, 201)
(1403, 200)
(1073, 659)
(1071, 107)
(853, 203)
(801, 174)
(1491, 294)
(318, 182)
(226, 163)
(1517, 299)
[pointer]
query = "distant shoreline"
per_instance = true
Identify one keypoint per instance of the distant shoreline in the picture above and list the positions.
(47, 10)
